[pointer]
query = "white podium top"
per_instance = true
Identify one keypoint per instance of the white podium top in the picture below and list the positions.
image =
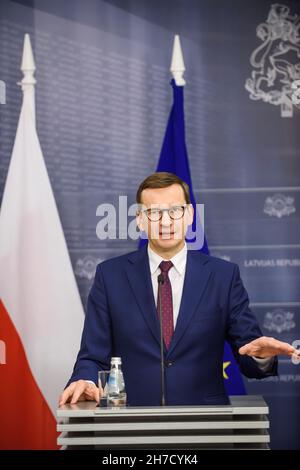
(246, 404)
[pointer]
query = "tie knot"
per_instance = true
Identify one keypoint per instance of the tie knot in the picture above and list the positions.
(165, 266)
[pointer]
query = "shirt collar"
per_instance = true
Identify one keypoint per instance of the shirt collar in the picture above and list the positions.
(179, 260)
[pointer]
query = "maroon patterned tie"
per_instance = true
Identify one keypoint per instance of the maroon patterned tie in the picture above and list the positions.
(166, 303)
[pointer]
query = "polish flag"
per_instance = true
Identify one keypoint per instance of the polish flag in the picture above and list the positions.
(41, 314)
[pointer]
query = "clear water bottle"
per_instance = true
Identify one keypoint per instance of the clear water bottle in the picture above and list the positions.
(116, 393)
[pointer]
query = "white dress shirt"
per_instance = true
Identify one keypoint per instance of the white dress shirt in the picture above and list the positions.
(176, 276)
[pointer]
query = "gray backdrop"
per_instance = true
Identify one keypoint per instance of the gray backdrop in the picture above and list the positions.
(103, 99)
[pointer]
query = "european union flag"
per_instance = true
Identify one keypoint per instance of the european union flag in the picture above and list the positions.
(174, 159)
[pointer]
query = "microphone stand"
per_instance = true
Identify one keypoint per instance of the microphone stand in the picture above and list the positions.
(160, 280)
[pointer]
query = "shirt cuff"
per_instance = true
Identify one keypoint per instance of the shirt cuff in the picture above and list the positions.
(90, 382)
(265, 364)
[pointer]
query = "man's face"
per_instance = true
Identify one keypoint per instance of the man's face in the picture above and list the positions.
(168, 233)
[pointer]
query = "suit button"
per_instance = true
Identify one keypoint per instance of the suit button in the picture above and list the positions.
(168, 363)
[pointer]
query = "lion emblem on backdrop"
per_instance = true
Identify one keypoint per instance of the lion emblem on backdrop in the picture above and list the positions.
(276, 62)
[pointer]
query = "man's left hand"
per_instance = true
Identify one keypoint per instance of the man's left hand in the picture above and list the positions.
(265, 346)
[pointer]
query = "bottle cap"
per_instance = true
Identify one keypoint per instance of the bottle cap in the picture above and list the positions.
(116, 360)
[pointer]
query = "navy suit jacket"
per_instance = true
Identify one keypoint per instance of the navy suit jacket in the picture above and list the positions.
(122, 320)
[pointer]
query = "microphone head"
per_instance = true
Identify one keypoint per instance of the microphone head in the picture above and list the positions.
(160, 279)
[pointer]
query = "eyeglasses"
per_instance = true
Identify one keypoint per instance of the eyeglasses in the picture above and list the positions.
(155, 214)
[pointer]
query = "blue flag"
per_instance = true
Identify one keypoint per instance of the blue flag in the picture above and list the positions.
(174, 159)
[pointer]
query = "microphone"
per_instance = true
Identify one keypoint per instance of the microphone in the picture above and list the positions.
(160, 280)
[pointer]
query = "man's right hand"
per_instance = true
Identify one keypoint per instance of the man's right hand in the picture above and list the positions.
(80, 391)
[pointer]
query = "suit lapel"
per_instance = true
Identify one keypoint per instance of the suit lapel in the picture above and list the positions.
(196, 278)
(139, 277)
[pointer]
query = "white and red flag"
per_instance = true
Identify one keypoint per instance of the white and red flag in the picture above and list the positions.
(41, 314)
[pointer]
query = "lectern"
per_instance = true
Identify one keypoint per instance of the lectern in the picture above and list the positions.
(243, 424)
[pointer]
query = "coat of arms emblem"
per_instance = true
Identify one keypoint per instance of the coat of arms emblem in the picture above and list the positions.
(279, 321)
(279, 205)
(276, 61)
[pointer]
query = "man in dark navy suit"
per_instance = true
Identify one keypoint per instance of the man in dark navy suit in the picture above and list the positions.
(204, 304)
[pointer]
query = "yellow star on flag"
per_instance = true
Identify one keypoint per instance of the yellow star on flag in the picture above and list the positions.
(225, 365)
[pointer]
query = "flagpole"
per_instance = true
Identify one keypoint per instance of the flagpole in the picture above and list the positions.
(28, 81)
(177, 67)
